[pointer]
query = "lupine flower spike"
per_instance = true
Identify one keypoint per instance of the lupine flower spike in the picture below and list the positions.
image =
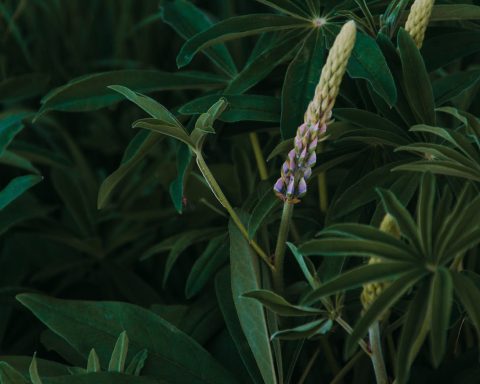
(297, 169)
(418, 19)
(372, 290)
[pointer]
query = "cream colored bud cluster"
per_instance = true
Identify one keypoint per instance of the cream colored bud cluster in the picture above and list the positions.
(418, 19)
(373, 290)
(319, 110)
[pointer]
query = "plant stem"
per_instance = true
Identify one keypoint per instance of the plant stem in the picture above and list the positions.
(349, 330)
(309, 366)
(278, 283)
(217, 191)
(257, 150)
(346, 368)
(377, 356)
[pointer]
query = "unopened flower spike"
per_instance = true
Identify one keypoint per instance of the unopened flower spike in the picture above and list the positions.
(418, 19)
(297, 169)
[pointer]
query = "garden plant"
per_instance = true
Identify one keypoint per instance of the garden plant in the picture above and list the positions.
(239, 191)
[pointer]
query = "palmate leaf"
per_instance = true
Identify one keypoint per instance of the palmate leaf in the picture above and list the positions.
(234, 28)
(17, 187)
(86, 323)
(10, 375)
(188, 20)
(384, 302)
(288, 7)
(450, 86)
(469, 296)
(355, 278)
(119, 354)
(425, 203)
(262, 210)
(159, 126)
(305, 331)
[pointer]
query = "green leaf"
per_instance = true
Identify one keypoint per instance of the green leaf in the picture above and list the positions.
(415, 77)
(425, 218)
(12, 159)
(260, 67)
(240, 108)
(137, 363)
(188, 20)
(356, 277)
(85, 324)
(136, 151)
(119, 355)
(209, 261)
(33, 371)
(204, 123)
(469, 296)
(152, 107)
(441, 310)
(10, 375)
(10, 126)
(354, 247)
(265, 206)
(447, 12)
(446, 48)
(383, 303)
(102, 378)
(184, 157)
(159, 126)
(367, 62)
(245, 272)
(17, 187)
(305, 331)
(279, 305)
(300, 81)
(93, 362)
(23, 87)
(412, 334)
(19, 211)
(90, 92)
(223, 289)
(235, 28)
(308, 270)
(450, 86)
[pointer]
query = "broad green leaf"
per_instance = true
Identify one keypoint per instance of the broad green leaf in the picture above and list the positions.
(245, 274)
(450, 86)
(90, 92)
(46, 367)
(93, 362)
(235, 28)
(265, 206)
(85, 324)
(286, 6)
(223, 289)
(279, 305)
(240, 108)
(119, 354)
(17, 187)
(12, 159)
(305, 331)
(209, 261)
(469, 295)
(440, 167)
(367, 62)
(188, 20)
(446, 48)
(136, 151)
(449, 12)
(10, 375)
(184, 157)
(441, 310)
(102, 378)
(152, 107)
(356, 277)
(416, 319)
(383, 303)
(23, 87)
(10, 126)
(300, 81)
(259, 68)
(354, 247)
(159, 126)
(416, 81)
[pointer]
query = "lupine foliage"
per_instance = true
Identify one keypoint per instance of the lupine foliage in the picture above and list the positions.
(145, 255)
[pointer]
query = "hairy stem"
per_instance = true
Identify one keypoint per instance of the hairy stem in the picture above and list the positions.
(217, 191)
(278, 283)
(257, 150)
(377, 356)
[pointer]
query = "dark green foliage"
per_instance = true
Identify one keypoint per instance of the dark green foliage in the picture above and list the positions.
(143, 255)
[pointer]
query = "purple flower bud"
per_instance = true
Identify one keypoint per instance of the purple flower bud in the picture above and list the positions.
(302, 187)
(279, 186)
(285, 168)
(312, 159)
(313, 145)
(291, 187)
(307, 173)
(323, 129)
